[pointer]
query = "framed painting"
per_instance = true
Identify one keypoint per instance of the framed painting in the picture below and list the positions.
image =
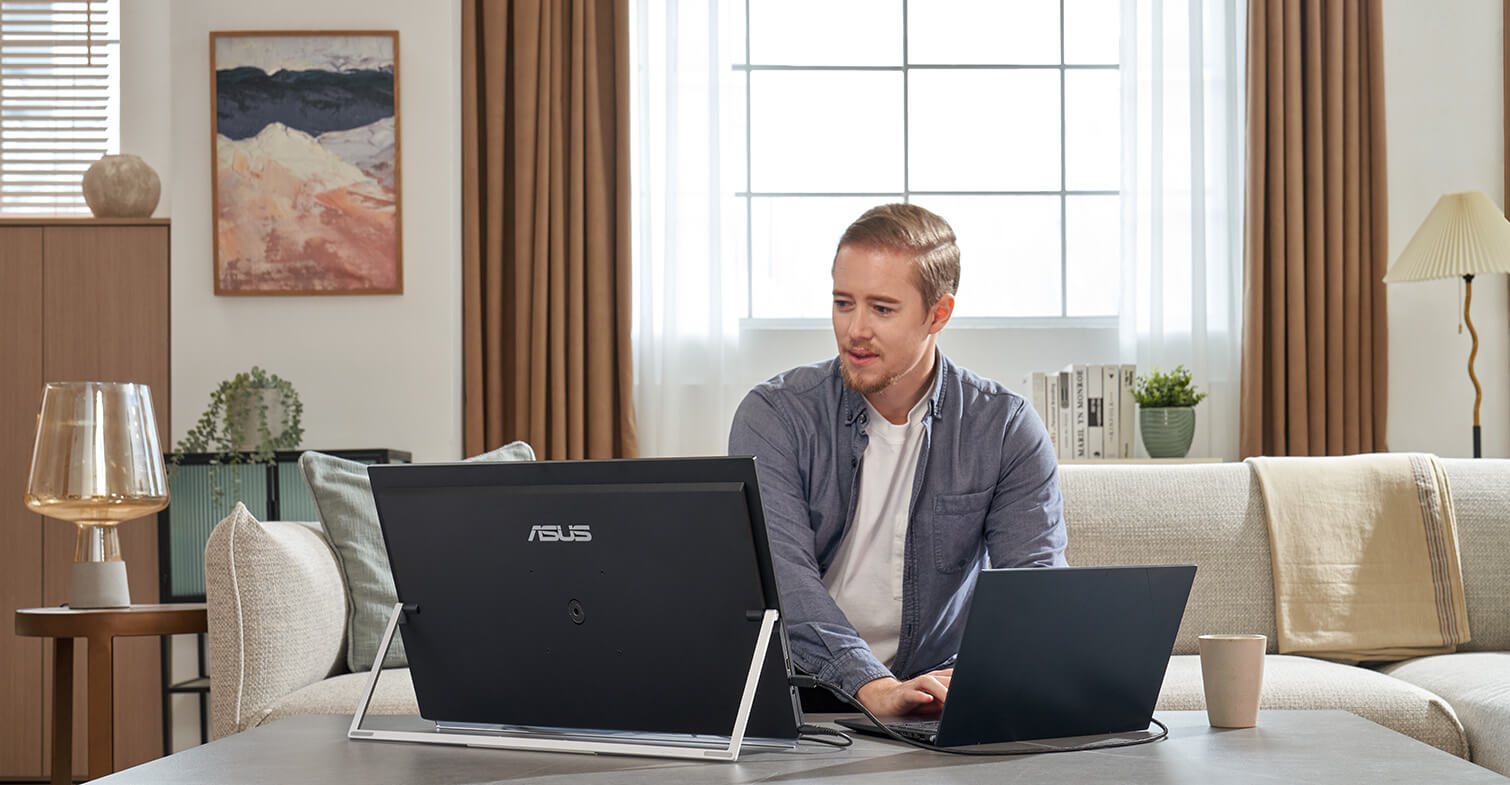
(306, 192)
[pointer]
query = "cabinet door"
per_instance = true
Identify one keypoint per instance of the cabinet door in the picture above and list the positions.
(105, 318)
(20, 529)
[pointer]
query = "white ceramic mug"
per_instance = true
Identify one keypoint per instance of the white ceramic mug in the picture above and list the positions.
(1232, 671)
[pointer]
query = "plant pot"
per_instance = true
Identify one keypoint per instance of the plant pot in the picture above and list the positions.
(1167, 431)
(244, 409)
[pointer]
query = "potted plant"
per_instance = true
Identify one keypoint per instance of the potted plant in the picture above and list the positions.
(1166, 412)
(251, 416)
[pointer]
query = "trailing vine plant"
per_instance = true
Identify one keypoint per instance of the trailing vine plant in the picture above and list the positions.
(223, 427)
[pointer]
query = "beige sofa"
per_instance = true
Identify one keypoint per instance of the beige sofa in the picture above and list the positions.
(277, 607)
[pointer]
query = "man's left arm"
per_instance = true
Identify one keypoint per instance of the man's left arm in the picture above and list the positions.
(1025, 526)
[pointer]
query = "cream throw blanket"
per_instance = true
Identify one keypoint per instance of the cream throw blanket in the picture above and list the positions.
(1365, 556)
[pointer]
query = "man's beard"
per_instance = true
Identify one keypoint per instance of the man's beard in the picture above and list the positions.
(854, 382)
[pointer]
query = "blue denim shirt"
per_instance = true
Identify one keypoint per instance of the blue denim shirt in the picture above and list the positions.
(986, 484)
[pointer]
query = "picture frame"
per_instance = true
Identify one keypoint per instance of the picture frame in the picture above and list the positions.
(306, 162)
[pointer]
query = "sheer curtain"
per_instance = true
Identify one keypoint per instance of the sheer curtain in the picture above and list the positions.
(687, 109)
(1182, 208)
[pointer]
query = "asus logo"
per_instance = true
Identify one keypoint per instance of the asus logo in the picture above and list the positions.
(553, 533)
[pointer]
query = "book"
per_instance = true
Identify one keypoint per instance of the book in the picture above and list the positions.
(1036, 396)
(1095, 376)
(1129, 410)
(1078, 424)
(1066, 415)
(1051, 394)
(1111, 411)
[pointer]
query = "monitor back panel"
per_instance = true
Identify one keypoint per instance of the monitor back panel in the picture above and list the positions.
(548, 599)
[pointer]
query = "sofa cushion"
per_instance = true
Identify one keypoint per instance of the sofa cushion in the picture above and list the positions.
(1294, 682)
(1480, 490)
(1477, 685)
(266, 641)
(339, 695)
(1210, 515)
(343, 497)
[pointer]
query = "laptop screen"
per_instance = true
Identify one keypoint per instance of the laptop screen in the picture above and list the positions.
(619, 595)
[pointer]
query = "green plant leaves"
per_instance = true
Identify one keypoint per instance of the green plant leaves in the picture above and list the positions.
(1161, 390)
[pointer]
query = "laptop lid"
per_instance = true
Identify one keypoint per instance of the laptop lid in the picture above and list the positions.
(1071, 651)
(620, 595)
(1062, 652)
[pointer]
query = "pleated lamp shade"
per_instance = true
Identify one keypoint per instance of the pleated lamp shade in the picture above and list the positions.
(1465, 234)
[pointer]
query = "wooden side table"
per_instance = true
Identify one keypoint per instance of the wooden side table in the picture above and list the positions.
(100, 627)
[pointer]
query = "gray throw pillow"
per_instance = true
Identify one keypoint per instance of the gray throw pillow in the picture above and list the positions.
(348, 518)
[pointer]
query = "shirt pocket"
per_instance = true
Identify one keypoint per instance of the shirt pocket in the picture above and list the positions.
(959, 523)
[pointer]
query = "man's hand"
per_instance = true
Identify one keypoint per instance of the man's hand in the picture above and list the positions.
(887, 697)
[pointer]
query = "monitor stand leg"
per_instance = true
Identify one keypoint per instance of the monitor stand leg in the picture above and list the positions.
(728, 753)
(377, 668)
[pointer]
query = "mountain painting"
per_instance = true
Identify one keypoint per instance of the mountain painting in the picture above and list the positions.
(306, 144)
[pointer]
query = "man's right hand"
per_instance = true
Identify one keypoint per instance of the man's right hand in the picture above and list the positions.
(887, 697)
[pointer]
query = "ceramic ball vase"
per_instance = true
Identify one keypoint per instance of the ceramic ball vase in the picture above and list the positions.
(121, 186)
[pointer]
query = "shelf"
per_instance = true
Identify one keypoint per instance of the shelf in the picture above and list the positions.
(1155, 461)
(201, 684)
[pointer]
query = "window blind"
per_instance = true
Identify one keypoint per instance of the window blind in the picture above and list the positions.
(59, 100)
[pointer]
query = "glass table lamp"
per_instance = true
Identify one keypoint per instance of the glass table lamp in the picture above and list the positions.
(97, 463)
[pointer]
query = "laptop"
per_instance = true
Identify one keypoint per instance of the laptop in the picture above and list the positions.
(611, 599)
(1050, 653)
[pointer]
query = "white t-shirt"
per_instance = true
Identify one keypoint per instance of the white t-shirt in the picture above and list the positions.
(865, 579)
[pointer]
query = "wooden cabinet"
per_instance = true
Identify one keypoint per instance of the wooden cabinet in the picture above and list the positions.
(80, 300)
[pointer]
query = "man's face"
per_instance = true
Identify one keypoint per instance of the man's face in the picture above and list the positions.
(880, 322)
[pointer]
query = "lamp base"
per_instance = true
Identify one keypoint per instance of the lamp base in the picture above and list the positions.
(98, 584)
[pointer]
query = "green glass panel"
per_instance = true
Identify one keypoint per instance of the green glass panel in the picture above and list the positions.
(294, 500)
(199, 498)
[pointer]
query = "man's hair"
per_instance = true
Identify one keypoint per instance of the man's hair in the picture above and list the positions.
(911, 229)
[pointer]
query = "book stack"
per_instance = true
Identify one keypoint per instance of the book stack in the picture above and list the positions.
(1088, 410)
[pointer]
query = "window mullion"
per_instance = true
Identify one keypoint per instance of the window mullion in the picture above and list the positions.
(1034, 209)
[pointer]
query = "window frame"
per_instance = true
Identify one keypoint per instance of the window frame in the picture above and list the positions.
(749, 194)
(68, 36)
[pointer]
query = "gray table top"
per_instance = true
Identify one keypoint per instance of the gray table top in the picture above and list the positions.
(1287, 747)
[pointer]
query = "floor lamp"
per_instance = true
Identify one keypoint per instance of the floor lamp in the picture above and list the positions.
(1465, 235)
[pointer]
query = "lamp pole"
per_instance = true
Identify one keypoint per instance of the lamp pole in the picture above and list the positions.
(1478, 391)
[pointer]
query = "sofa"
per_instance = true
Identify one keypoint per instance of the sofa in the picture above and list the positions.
(277, 607)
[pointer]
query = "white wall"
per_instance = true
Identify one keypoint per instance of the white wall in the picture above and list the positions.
(372, 371)
(1444, 127)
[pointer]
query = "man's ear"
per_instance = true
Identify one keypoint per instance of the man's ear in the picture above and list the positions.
(939, 314)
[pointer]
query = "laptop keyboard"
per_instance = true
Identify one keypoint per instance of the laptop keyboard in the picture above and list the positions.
(918, 729)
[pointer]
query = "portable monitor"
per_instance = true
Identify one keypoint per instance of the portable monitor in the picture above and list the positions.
(613, 603)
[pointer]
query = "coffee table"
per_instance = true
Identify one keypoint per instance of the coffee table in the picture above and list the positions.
(1288, 746)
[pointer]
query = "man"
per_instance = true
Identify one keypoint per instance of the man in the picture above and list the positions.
(889, 474)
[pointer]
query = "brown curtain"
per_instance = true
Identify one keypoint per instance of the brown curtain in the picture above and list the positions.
(1315, 326)
(545, 227)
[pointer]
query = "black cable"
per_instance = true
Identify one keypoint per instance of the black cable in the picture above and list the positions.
(816, 734)
(811, 681)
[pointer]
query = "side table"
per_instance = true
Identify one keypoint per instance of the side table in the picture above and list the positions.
(100, 627)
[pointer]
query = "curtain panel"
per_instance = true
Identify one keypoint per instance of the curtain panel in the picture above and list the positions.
(1182, 202)
(1315, 349)
(545, 227)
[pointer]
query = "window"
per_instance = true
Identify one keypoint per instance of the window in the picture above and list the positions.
(1003, 116)
(59, 99)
